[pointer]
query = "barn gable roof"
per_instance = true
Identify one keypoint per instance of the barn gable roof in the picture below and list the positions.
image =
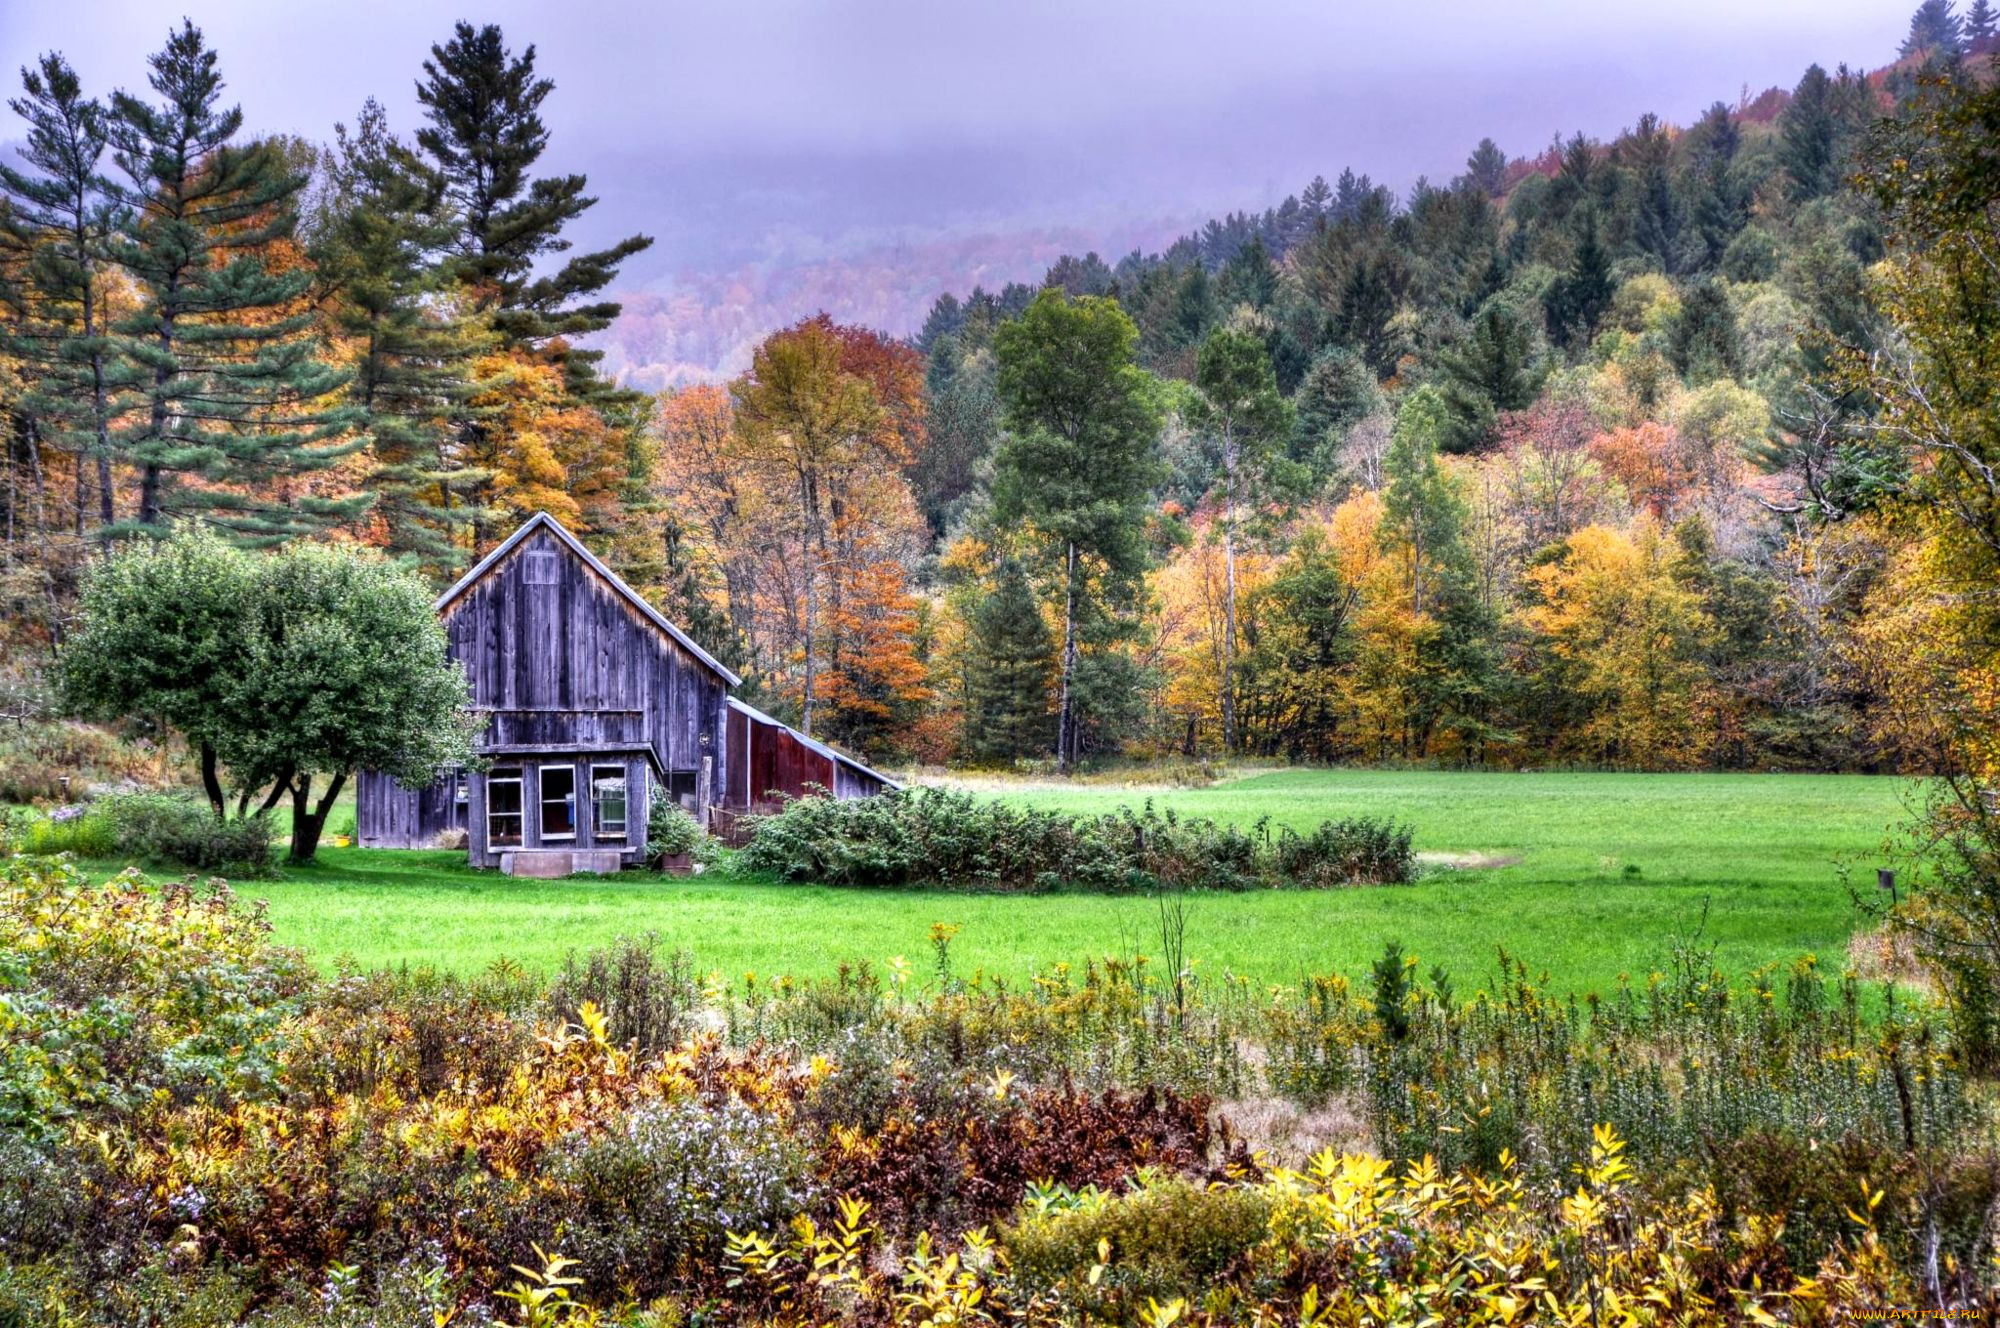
(831, 753)
(543, 521)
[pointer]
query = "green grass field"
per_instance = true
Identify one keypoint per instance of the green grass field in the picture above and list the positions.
(1610, 869)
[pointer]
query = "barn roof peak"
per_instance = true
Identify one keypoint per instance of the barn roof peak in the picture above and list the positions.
(543, 521)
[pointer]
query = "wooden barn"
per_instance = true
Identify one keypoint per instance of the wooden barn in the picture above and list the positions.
(592, 699)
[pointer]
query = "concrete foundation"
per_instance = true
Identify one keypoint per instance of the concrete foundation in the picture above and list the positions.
(549, 863)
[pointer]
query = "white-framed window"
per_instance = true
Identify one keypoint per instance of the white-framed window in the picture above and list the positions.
(503, 807)
(558, 802)
(608, 801)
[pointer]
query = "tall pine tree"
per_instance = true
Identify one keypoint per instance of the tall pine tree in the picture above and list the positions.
(57, 224)
(485, 135)
(1076, 473)
(381, 251)
(234, 404)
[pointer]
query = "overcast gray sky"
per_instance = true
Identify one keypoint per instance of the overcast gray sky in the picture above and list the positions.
(766, 136)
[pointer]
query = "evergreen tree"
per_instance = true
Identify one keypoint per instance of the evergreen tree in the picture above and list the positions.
(380, 250)
(1363, 320)
(484, 137)
(1249, 277)
(1077, 471)
(1659, 216)
(1497, 367)
(1316, 198)
(1579, 297)
(1717, 205)
(1980, 26)
(686, 601)
(57, 224)
(1703, 341)
(1486, 168)
(1012, 660)
(1338, 393)
(231, 388)
(1936, 32)
(1807, 134)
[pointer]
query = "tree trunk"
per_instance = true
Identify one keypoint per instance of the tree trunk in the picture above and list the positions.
(100, 404)
(149, 484)
(1229, 596)
(42, 534)
(1229, 641)
(309, 818)
(211, 782)
(1065, 716)
(814, 551)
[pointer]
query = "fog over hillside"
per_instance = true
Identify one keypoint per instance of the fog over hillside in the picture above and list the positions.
(791, 156)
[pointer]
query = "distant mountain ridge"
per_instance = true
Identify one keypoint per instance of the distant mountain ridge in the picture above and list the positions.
(703, 327)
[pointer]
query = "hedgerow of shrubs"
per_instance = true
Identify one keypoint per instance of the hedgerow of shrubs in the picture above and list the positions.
(956, 841)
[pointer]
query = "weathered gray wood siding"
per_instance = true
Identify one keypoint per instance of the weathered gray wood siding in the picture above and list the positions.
(387, 815)
(557, 657)
(566, 670)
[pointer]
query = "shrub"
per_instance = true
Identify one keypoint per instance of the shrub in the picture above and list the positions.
(671, 829)
(1356, 851)
(649, 1001)
(652, 1198)
(25, 781)
(929, 836)
(172, 828)
(1108, 1256)
(119, 995)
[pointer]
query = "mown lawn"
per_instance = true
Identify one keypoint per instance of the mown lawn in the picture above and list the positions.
(1610, 869)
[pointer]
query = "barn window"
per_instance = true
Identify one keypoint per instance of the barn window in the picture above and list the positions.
(461, 790)
(607, 798)
(503, 806)
(558, 802)
(539, 567)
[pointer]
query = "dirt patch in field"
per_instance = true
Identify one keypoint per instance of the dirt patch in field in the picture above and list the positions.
(1469, 861)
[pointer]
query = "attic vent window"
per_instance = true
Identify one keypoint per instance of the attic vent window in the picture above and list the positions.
(540, 568)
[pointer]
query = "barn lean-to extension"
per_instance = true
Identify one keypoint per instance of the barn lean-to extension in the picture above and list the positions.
(592, 699)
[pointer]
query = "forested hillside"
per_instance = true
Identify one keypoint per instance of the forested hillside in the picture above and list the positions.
(1584, 456)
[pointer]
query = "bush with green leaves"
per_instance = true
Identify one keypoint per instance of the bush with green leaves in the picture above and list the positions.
(177, 830)
(938, 837)
(84, 831)
(1356, 851)
(650, 999)
(671, 829)
(285, 672)
(1167, 1236)
(121, 995)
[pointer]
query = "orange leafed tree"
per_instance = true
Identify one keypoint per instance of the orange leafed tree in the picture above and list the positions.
(815, 439)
